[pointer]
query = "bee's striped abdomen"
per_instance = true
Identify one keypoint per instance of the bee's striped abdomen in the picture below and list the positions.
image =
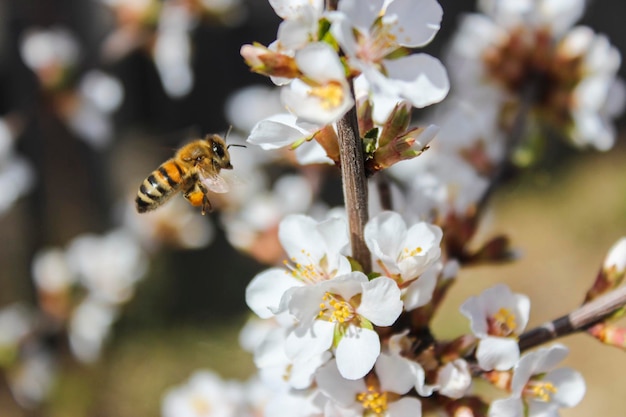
(159, 186)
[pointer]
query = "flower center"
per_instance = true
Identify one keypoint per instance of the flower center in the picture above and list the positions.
(540, 391)
(408, 252)
(311, 272)
(335, 309)
(502, 323)
(373, 47)
(374, 402)
(330, 94)
(200, 405)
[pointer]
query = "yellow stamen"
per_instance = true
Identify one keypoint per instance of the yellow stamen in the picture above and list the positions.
(541, 391)
(373, 401)
(331, 94)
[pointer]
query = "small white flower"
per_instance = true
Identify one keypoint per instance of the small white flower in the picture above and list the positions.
(379, 398)
(300, 25)
(276, 368)
(399, 252)
(51, 271)
(205, 394)
(323, 95)
(314, 250)
(33, 378)
(497, 316)
(454, 379)
(341, 312)
(108, 266)
(89, 327)
(369, 34)
(539, 388)
(15, 323)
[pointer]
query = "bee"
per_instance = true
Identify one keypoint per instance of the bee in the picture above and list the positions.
(194, 170)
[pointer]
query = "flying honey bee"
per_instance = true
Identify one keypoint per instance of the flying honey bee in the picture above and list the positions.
(194, 170)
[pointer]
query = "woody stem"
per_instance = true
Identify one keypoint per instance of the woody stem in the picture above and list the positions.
(354, 185)
(578, 320)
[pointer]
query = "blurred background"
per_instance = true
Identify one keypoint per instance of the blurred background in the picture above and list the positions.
(94, 95)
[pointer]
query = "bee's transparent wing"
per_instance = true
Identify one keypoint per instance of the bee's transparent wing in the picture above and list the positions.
(214, 182)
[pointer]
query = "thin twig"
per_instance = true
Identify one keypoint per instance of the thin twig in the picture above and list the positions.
(578, 320)
(354, 185)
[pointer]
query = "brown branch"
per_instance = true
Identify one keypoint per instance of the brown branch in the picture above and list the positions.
(578, 320)
(354, 185)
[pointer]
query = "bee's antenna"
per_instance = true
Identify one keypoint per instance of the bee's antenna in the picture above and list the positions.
(236, 145)
(230, 129)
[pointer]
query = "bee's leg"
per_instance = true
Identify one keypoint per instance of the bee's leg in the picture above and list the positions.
(196, 195)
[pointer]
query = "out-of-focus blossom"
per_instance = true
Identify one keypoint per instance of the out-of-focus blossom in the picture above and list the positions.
(33, 377)
(107, 266)
(249, 105)
(172, 49)
(50, 53)
(439, 184)
(16, 322)
(254, 227)
(454, 379)
(54, 280)
(205, 394)
(175, 224)
(89, 326)
(16, 179)
(530, 54)
(497, 316)
(537, 389)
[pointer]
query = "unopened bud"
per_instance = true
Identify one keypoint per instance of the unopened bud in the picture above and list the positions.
(407, 146)
(267, 62)
(616, 258)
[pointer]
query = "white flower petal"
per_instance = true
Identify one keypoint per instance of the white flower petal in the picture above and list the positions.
(380, 301)
(420, 291)
(333, 385)
(357, 352)
(276, 132)
(570, 386)
(499, 353)
(303, 344)
(419, 78)
(394, 373)
(418, 21)
(266, 289)
(508, 407)
(405, 407)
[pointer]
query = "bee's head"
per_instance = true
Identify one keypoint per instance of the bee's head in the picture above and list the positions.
(219, 152)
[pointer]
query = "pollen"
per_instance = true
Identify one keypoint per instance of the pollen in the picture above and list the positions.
(335, 310)
(330, 94)
(502, 323)
(407, 252)
(541, 391)
(373, 401)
